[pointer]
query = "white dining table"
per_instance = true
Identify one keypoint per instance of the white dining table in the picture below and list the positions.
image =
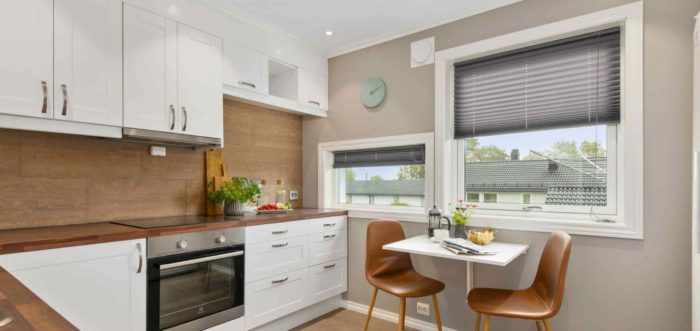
(422, 245)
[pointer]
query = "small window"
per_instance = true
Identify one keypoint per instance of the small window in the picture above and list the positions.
(490, 197)
(526, 198)
(472, 197)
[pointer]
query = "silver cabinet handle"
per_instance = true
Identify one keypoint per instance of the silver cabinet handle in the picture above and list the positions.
(172, 113)
(328, 224)
(531, 208)
(44, 89)
(138, 249)
(329, 266)
(318, 104)
(64, 89)
(184, 125)
(280, 232)
(280, 245)
(251, 85)
(329, 236)
(280, 280)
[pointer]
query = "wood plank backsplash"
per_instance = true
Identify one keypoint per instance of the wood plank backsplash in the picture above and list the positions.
(55, 179)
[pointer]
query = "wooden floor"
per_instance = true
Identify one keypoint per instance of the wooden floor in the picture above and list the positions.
(342, 320)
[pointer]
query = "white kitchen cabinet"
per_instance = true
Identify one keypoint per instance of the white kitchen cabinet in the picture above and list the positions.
(245, 68)
(273, 297)
(150, 71)
(95, 287)
(327, 246)
(26, 59)
(272, 258)
(312, 89)
(199, 65)
(328, 279)
(88, 61)
(275, 231)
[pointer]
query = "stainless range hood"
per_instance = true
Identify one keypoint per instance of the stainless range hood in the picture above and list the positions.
(168, 138)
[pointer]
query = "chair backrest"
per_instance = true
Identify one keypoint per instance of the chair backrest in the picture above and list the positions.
(551, 272)
(378, 261)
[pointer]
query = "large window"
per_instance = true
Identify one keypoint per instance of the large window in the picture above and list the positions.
(543, 127)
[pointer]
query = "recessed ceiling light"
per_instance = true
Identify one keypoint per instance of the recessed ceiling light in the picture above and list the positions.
(329, 33)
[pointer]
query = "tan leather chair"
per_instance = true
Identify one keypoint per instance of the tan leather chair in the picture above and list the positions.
(540, 301)
(393, 273)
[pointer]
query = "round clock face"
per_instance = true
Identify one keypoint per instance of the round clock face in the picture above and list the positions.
(373, 92)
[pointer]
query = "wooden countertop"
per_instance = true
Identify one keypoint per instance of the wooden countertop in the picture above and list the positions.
(27, 311)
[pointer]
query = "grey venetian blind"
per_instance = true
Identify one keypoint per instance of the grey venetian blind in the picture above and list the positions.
(569, 82)
(402, 155)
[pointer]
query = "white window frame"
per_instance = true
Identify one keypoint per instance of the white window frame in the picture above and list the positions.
(327, 178)
(628, 214)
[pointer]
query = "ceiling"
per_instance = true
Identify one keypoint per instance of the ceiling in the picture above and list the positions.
(355, 23)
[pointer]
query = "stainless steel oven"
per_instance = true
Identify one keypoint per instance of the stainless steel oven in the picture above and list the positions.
(195, 280)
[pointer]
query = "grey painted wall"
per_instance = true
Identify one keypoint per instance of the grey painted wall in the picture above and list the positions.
(613, 284)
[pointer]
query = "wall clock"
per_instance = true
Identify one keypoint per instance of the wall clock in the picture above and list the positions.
(373, 92)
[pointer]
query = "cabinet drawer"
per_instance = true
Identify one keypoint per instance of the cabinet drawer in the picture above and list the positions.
(270, 258)
(274, 297)
(328, 224)
(276, 231)
(327, 279)
(327, 246)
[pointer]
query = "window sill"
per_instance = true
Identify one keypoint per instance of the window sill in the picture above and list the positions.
(402, 216)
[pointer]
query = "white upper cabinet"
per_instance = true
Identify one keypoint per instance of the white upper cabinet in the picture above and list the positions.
(245, 68)
(88, 61)
(26, 36)
(200, 88)
(150, 64)
(312, 89)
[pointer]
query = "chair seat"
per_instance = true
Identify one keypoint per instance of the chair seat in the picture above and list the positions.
(407, 284)
(509, 303)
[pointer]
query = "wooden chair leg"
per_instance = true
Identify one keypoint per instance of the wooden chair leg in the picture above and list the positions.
(487, 323)
(371, 306)
(478, 322)
(547, 327)
(402, 313)
(539, 325)
(437, 313)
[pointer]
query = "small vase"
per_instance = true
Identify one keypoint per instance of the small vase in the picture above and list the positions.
(460, 231)
(234, 208)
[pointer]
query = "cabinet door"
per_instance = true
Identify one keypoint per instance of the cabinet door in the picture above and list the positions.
(327, 279)
(327, 246)
(271, 258)
(88, 61)
(95, 287)
(150, 71)
(245, 68)
(26, 59)
(313, 89)
(274, 297)
(200, 86)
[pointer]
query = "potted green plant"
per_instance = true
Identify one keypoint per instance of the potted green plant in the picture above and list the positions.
(460, 218)
(234, 194)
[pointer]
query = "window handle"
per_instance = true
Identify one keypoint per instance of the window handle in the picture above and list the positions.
(531, 208)
(44, 89)
(64, 89)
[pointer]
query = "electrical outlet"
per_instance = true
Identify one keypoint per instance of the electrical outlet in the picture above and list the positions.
(423, 308)
(293, 195)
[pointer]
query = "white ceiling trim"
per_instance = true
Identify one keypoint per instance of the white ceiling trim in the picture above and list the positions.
(391, 36)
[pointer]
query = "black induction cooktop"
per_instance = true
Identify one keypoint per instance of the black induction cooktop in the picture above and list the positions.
(164, 222)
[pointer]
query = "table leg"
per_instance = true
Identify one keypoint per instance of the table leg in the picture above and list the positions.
(470, 276)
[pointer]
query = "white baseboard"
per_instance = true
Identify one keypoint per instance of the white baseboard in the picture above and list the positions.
(392, 317)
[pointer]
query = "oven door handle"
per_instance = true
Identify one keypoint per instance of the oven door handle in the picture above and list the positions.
(199, 260)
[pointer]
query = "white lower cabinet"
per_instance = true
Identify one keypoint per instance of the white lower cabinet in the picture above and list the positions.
(235, 325)
(95, 287)
(308, 265)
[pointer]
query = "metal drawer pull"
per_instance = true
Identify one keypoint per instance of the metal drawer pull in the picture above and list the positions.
(329, 236)
(531, 208)
(184, 112)
(318, 104)
(280, 232)
(199, 260)
(64, 89)
(44, 88)
(280, 280)
(138, 249)
(329, 266)
(172, 113)
(328, 224)
(246, 84)
(280, 245)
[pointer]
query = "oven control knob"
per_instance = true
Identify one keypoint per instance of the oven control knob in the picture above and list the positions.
(182, 244)
(220, 238)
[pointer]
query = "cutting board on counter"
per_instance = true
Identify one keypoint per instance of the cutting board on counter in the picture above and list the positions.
(217, 174)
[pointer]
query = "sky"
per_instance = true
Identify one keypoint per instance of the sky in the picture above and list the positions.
(534, 140)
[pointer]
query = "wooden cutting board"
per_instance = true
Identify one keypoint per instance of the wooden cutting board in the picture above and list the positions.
(217, 174)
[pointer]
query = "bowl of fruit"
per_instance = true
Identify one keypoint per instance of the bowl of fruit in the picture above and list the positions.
(274, 208)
